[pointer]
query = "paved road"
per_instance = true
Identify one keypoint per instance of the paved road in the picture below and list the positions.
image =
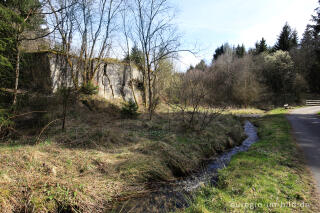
(306, 129)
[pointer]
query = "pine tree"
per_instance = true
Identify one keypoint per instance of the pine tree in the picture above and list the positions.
(287, 40)
(310, 53)
(294, 39)
(311, 45)
(218, 52)
(283, 42)
(316, 20)
(6, 47)
(136, 56)
(263, 46)
(4, 60)
(307, 39)
(240, 51)
(308, 61)
(24, 16)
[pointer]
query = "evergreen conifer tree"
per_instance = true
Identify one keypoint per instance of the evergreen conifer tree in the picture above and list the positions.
(21, 17)
(240, 51)
(287, 39)
(316, 20)
(218, 52)
(263, 46)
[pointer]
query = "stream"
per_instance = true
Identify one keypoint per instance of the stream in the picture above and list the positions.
(172, 196)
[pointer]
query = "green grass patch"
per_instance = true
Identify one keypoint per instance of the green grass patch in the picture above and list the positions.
(270, 177)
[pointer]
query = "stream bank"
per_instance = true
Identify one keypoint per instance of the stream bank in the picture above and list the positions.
(172, 196)
(270, 176)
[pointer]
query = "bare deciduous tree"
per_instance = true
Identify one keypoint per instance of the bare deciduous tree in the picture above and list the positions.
(88, 25)
(246, 88)
(190, 94)
(127, 33)
(157, 38)
(95, 29)
(65, 22)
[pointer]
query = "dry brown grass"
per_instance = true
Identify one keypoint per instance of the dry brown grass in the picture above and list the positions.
(100, 158)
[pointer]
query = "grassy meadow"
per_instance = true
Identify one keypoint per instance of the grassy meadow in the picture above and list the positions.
(270, 177)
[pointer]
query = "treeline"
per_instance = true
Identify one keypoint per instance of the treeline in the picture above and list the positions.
(264, 75)
(148, 38)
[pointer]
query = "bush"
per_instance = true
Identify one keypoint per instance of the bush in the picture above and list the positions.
(89, 89)
(129, 109)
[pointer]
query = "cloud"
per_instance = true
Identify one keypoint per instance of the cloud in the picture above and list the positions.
(186, 59)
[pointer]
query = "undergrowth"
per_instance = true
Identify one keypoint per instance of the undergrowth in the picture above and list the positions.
(102, 157)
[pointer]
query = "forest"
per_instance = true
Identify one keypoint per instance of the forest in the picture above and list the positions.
(260, 76)
(263, 75)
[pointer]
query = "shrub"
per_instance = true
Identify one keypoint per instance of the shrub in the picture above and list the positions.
(89, 89)
(129, 109)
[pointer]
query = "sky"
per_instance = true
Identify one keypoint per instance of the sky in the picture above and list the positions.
(207, 24)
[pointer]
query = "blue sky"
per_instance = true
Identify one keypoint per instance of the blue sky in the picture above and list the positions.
(210, 23)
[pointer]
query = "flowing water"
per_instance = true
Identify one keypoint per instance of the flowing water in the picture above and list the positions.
(172, 196)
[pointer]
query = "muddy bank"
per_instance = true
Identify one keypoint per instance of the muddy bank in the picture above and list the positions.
(176, 195)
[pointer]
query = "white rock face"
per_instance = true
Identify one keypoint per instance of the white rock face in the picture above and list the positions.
(113, 78)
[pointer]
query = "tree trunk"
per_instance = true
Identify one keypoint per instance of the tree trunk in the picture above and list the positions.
(66, 94)
(150, 94)
(15, 94)
(144, 90)
(64, 113)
